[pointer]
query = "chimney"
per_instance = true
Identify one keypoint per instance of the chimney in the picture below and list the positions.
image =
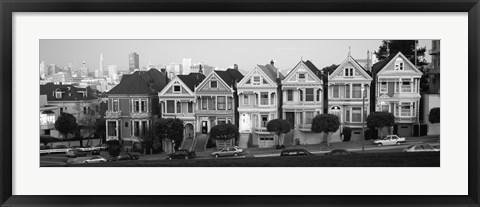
(235, 66)
(272, 63)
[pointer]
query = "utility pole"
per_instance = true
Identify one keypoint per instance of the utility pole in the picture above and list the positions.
(363, 117)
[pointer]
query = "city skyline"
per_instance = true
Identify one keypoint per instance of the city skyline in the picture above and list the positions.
(218, 53)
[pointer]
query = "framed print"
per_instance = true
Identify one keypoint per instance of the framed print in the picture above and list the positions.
(201, 103)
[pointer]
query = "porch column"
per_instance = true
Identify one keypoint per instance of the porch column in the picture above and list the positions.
(133, 128)
(106, 131)
(148, 102)
(116, 128)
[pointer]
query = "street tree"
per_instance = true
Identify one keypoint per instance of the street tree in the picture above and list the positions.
(280, 127)
(224, 132)
(114, 147)
(100, 129)
(66, 124)
(326, 123)
(379, 120)
(170, 129)
(434, 116)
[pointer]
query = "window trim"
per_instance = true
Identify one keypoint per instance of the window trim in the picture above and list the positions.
(304, 76)
(216, 84)
(179, 87)
(333, 91)
(313, 94)
(255, 83)
(289, 95)
(351, 111)
(348, 72)
(386, 87)
(247, 99)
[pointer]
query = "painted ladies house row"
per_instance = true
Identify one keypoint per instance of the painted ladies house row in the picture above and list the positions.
(201, 102)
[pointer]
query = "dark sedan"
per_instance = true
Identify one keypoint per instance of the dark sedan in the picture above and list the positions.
(295, 152)
(182, 154)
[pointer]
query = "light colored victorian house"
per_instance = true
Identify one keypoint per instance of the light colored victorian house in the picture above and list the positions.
(397, 90)
(133, 105)
(259, 102)
(302, 90)
(178, 100)
(217, 100)
(215, 97)
(349, 97)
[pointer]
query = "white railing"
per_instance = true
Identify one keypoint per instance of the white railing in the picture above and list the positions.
(113, 113)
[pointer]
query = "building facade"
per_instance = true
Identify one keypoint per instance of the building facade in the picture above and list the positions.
(133, 62)
(349, 96)
(397, 90)
(217, 100)
(133, 105)
(178, 100)
(48, 116)
(258, 104)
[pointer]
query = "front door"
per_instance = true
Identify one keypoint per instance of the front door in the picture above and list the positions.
(291, 118)
(204, 127)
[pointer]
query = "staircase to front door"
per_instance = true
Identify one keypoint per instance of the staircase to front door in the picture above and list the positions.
(200, 143)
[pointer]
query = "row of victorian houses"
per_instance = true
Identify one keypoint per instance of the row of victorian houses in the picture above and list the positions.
(264, 94)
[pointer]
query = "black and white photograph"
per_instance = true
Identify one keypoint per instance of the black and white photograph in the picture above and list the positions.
(239, 102)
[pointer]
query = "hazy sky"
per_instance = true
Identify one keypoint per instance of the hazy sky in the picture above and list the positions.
(219, 53)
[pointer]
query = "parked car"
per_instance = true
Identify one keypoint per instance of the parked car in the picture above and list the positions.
(295, 152)
(95, 159)
(389, 140)
(182, 154)
(75, 152)
(339, 152)
(228, 151)
(421, 148)
(95, 152)
(127, 156)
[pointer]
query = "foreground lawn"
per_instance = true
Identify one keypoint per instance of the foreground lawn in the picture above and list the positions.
(420, 159)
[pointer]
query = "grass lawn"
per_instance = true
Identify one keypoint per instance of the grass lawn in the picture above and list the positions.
(420, 159)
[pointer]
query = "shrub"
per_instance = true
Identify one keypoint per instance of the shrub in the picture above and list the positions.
(434, 116)
(114, 147)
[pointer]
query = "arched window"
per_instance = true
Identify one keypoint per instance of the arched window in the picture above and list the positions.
(336, 110)
(399, 64)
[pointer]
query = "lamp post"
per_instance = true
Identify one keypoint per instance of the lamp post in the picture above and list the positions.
(363, 118)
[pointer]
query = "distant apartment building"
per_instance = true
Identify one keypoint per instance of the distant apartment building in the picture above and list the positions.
(42, 70)
(397, 90)
(186, 66)
(202, 68)
(349, 96)
(133, 105)
(431, 97)
(48, 116)
(70, 99)
(133, 62)
(258, 103)
(302, 90)
(113, 73)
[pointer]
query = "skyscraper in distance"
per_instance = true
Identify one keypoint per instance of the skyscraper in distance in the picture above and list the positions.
(134, 62)
(101, 73)
(186, 65)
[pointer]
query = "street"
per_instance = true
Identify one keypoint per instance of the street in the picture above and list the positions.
(61, 160)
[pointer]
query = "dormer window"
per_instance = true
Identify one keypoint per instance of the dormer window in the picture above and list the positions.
(256, 80)
(348, 72)
(177, 89)
(399, 64)
(58, 94)
(213, 84)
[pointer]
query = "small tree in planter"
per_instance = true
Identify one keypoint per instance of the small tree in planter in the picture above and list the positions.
(434, 116)
(327, 123)
(380, 120)
(66, 124)
(224, 132)
(280, 127)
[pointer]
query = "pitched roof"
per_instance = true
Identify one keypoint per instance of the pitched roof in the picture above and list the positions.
(191, 80)
(140, 82)
(230, 76)
(69, 92)
(313, 68)
(379, 65)
(271, 72)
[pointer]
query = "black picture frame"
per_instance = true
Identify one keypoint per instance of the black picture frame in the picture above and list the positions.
(7, 8)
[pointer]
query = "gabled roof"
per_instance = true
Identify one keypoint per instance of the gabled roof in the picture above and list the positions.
(192, 80)
(271, 72)
(230, 76)
(310, 66)
(355, 63)
(69, 92)
(379, 65)
(141, 83)
(390, 61)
